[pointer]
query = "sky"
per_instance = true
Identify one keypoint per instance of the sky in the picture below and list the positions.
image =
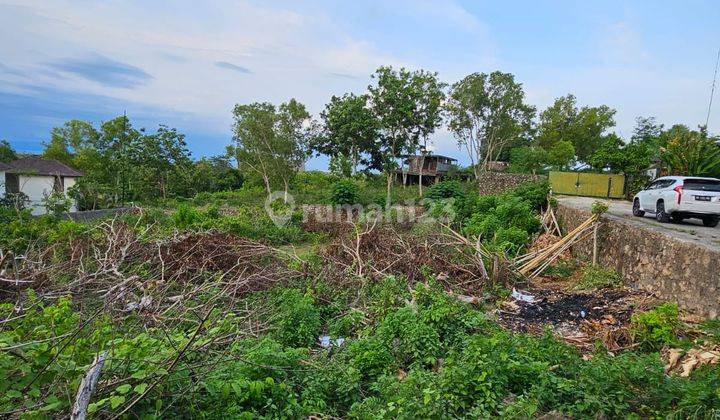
(185, 64)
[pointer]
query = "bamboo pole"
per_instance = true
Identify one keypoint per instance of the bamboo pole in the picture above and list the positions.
(543, 255)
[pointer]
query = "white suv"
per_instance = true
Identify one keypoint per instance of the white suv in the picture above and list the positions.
(680, 197)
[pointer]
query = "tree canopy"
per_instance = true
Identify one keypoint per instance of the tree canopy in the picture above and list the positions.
(584, 127)
(406, 105)
(487, 114)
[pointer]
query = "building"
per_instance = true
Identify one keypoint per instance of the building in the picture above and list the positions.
(432, 167)
(37, 178)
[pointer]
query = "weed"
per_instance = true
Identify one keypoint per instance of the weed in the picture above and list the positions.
(658, 327)
(595, 277)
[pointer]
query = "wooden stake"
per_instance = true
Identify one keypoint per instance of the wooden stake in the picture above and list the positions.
(595, 244)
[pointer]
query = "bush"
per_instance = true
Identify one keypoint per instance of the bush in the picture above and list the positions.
(345, 192)
(299, 319)
(658, 327)
(445, 189)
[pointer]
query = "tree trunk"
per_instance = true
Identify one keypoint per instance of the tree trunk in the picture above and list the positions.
(422, 165)
(285, 196)
(267, 184)
(388, 198)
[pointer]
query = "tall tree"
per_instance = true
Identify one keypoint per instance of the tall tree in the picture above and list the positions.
(7, 153)
(349, 129)
(407, 107)
(486, 114)
(271, 142)
(584, 127)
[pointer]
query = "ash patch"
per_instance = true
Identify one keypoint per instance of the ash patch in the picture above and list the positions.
(577, 317)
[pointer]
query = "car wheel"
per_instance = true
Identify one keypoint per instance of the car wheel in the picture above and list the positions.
(660, 214)
(636, 208)
(711, 221)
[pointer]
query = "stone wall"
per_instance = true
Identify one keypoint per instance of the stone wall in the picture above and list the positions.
(497, 182)
(673, 269)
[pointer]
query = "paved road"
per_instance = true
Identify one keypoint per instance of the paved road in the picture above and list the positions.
(690, 230)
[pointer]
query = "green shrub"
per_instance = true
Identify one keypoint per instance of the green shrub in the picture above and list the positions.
(445, 189)
(185, 216)
(345, 191)
(503, 222)
(658, 327)
(299, 320)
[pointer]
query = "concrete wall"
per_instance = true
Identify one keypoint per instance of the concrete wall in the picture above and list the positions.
(2, 183)
(36, 187)
(673, 269)
(497, 182)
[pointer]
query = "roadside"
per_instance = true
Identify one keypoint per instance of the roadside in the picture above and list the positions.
(690, 230)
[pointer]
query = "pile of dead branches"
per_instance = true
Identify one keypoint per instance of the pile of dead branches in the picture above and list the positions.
(375, 251)
(128, 270)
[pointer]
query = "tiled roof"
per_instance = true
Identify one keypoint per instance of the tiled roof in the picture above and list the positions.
(37, 166)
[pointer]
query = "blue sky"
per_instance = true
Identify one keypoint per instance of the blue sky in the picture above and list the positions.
(186, 63)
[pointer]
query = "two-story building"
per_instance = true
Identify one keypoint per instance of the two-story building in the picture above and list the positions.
(432, 167)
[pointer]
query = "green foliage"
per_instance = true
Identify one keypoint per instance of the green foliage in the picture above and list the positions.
(692, 154)
(488, 115)
(349, 134)
(56, 203)
(561, 154)
(445, 189)
(503, 222)
(299, 319)
(271, 142)
(407, 107)
(7, 153)
(528, 159)
(658, 327)
(344, 192)
(583, 127)
(599, 208)
(595, 277)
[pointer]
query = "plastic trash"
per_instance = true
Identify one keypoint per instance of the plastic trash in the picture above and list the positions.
(522, 296)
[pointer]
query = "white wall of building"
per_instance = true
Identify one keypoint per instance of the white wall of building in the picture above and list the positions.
(37, 187)
(2, 183)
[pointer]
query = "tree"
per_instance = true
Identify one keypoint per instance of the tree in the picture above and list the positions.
(486, 114)
(406, 105)
(349, 130)
(273, 143)
(584, 127)
(214, 174)
(561, 155)
(646, 130)
(528, 159)
(295, 131)
(161, 163)
(691, 153)
(7, 153)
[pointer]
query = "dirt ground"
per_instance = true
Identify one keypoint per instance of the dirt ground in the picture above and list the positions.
(690, 230)
(578, 317)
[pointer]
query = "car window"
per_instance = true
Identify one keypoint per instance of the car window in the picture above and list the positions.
(666, 183)
(702, 185)
(655, 185)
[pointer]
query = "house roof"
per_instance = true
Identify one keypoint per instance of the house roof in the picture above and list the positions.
(38, 166)
(4, 167)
